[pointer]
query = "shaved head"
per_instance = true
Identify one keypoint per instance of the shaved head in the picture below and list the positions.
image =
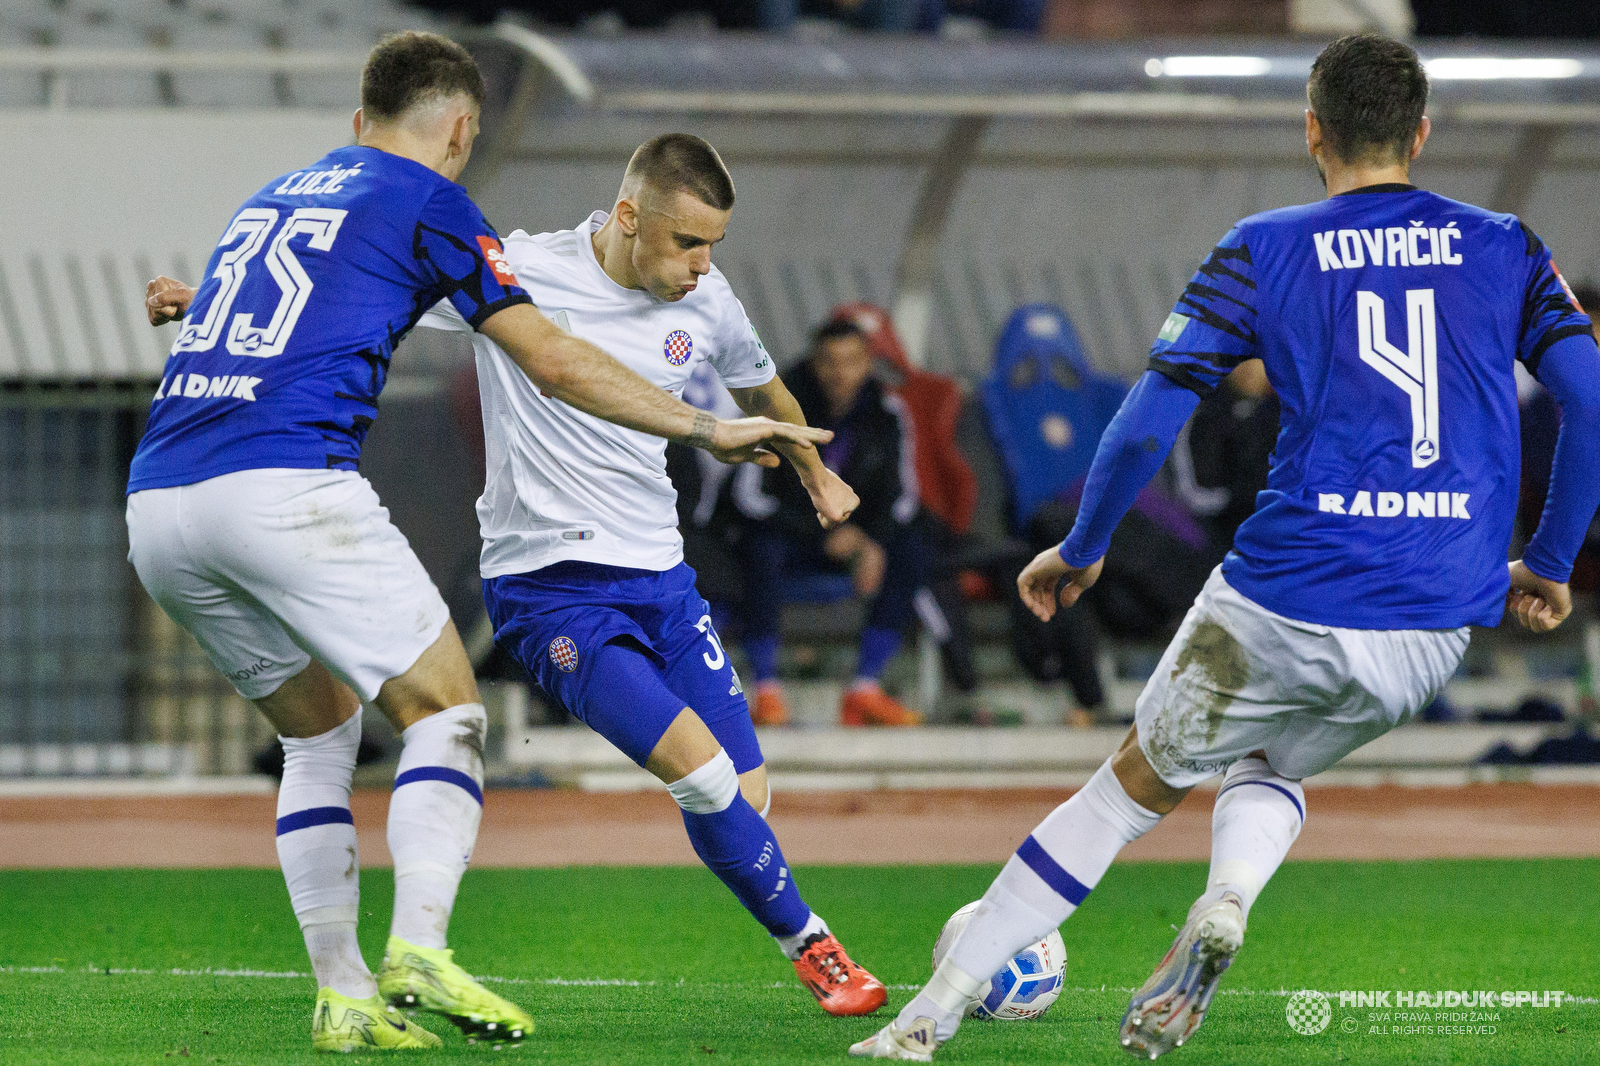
(673, 163)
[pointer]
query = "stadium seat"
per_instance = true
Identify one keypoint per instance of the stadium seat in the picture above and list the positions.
(327, 88)
(23, 21)
(1046, 407)
(107, 87)
(19, 88)
(222, 88)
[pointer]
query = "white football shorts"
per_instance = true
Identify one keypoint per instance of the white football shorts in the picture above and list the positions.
(271, 568)
(1238, 678)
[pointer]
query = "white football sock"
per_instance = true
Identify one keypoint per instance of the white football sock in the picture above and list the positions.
(336, 957)
(1257, 817)
(944, 999)
(793, 946)
(433, 819)
(317, 850)
(1044, 882)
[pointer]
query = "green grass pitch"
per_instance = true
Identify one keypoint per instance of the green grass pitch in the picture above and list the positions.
(648, 966)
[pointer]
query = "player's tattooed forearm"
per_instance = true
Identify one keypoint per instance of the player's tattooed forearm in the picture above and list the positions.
(704, 431)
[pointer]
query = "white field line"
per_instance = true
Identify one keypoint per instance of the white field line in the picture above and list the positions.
(612, 982)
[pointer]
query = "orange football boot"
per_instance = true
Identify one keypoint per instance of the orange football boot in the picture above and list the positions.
(769, 708)
(843, 988)
(873, 706)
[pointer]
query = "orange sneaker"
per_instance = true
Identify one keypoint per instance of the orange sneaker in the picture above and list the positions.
(769, 708)
(873, 706)
(843, 988)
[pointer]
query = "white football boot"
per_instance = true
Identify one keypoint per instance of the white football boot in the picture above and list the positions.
(915, 1044)
(1172, 1004)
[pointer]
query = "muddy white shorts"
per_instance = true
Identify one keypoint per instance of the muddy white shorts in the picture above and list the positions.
(1238, 678)
(271, 568)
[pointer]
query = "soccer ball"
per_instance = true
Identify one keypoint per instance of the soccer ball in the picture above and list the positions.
(1027, 986)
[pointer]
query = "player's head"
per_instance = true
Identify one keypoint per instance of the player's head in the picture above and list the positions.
(1367, 96)
(842, 361)
(424, 90)
(673, 206)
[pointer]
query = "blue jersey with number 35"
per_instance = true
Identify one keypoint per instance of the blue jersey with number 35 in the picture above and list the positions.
(1388, 320)
(282, 354)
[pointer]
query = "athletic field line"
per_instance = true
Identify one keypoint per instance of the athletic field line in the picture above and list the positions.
(600, 982)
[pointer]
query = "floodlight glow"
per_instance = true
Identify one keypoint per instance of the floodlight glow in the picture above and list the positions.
(1489, 68)
(1207, 67)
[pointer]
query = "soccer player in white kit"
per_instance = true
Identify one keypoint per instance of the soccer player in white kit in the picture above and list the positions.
(250, 525)
(1381, 537)
(582, 560)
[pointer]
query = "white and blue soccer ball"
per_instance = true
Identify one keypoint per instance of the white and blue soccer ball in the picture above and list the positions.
(1027, 986)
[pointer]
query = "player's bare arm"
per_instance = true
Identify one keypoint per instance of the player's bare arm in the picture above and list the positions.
(1040, 579)
(166, 300)
(578, 373)
(834, 500)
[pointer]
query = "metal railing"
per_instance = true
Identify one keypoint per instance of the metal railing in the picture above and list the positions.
(94, 678)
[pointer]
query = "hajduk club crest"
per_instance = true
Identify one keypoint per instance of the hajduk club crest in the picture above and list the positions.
(564, 654)
(678, 348)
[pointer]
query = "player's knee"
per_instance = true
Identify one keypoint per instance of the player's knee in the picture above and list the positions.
(756, 792)
(710, 789)
(1140, 780)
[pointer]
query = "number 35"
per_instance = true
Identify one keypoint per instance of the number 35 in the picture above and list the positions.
(251, 228)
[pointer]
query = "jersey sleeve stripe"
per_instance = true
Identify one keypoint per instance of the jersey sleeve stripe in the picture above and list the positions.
(1180, 376)
(1225, 360)
(1214, 264)
(1194, 288)
(483, 314)
(1560, 333)
(1206, 316)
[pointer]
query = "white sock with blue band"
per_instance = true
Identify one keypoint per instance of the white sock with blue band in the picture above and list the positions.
(1257, 817)
(1050, 875)
(433, 820)
(317, 850)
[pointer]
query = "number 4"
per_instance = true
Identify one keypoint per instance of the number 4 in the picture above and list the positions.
(1415, 371)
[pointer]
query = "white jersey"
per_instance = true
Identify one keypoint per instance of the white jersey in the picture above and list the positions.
(562, 484)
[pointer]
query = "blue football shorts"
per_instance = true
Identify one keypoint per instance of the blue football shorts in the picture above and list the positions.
(570, 625)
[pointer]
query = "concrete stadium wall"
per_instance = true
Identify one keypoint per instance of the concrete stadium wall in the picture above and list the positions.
(1108, 218)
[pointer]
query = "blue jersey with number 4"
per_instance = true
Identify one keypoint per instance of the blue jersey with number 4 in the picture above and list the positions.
(1388, 320)
(282, 354)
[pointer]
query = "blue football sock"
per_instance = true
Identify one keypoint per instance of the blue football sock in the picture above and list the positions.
(878, 646)
(763, 652)
(739, 847)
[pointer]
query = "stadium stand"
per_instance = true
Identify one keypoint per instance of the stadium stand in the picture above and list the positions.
(948, 182)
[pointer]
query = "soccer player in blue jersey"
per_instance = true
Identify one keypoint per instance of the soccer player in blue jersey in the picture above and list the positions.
(1389, 320)
(250, 525)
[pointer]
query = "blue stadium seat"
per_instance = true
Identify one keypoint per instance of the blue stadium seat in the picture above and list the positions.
(816, 588)
(1045, 406)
